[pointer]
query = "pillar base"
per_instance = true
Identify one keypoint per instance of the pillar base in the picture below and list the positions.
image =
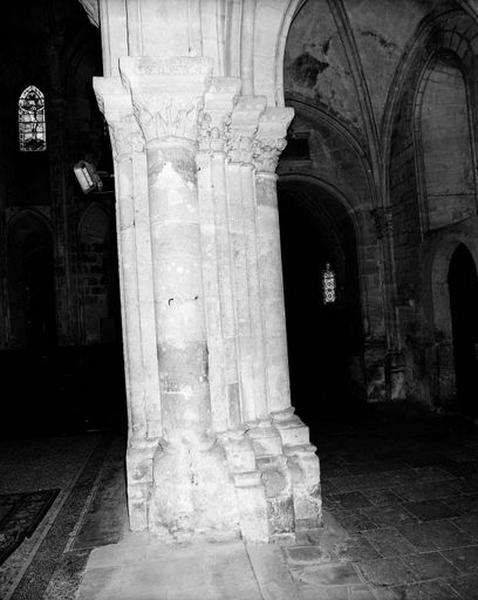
(193, 494)
(139, 461)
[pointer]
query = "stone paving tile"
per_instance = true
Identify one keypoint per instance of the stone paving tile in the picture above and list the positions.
(398, 477)
(429, 590)
(432, 510)
(464, 504)
(382, 497)
(434, 535)
(357, 548)
(299, 555)
(429, 565)
(327, 487)
(389, 542)
(353, 521)
(350, 500)
(387, 515)
(361, 592)
(331, 472)
(426, 458)
(327, 592)
(468, 485)
(465, 559)
(345, 484)
(461, 469)
(332, 574)
(466, 586)
(366, 481)
(461, 454)
(375, 466)
(430, 490)
(386, 571)
(432, 473)
(468, 524)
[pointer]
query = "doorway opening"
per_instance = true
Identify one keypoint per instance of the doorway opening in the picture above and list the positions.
(322, 300)
(463, 289)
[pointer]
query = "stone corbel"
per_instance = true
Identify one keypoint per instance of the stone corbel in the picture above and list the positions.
(243, 127)
(167, 94)
(270, 140)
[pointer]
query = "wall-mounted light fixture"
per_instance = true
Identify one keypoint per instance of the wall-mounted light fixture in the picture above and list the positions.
(88, 177)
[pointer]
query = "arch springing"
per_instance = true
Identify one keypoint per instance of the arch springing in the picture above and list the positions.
(31, 120)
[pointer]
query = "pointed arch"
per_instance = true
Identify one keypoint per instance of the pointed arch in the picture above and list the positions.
(442, 128)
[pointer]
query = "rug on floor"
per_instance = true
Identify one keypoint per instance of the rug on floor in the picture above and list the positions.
(20, 515)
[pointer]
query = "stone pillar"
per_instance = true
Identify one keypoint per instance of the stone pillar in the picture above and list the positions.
(302, 463)
(137, 307)
(251, 347)
(192, 492)
(219, 271)
(225, 453)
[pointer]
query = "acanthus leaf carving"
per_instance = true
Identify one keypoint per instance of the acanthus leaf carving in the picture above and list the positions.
(270, 139)
(167, 94)
(126, 138)
(239, 145)
(115, 104)
(169, 118)
(266, 153)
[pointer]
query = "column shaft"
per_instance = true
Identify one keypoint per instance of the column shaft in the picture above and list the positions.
(178, 290)
(272, 292)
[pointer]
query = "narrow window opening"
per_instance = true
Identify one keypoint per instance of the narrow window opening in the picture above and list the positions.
(31, 120)
(329, 285)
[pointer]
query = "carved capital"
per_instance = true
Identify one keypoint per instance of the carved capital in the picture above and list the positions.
(270, 140)
(242, 128)
(126, 138)
(382, 216)
(115, 104)
(216, 116)
(266, 154)
(167, 94)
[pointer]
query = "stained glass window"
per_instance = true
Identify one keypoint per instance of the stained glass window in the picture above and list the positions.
(329, 285)
(31, 120)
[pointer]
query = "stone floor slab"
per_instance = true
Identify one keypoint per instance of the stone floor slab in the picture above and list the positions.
(390, 516)
(468, 525)
(332, 574)
(357, 548)
(430, 590)
(465, 559)
(429, 565)
(432, 510)
(416, 491)
(434, 535)
(389, 542)
(466, 586)
(382, 497)
(386, 571)
(354, 521)
(208, 572)
(271, 572)
(350, 500)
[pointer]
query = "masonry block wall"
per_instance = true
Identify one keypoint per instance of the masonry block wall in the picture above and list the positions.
(58, 267)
